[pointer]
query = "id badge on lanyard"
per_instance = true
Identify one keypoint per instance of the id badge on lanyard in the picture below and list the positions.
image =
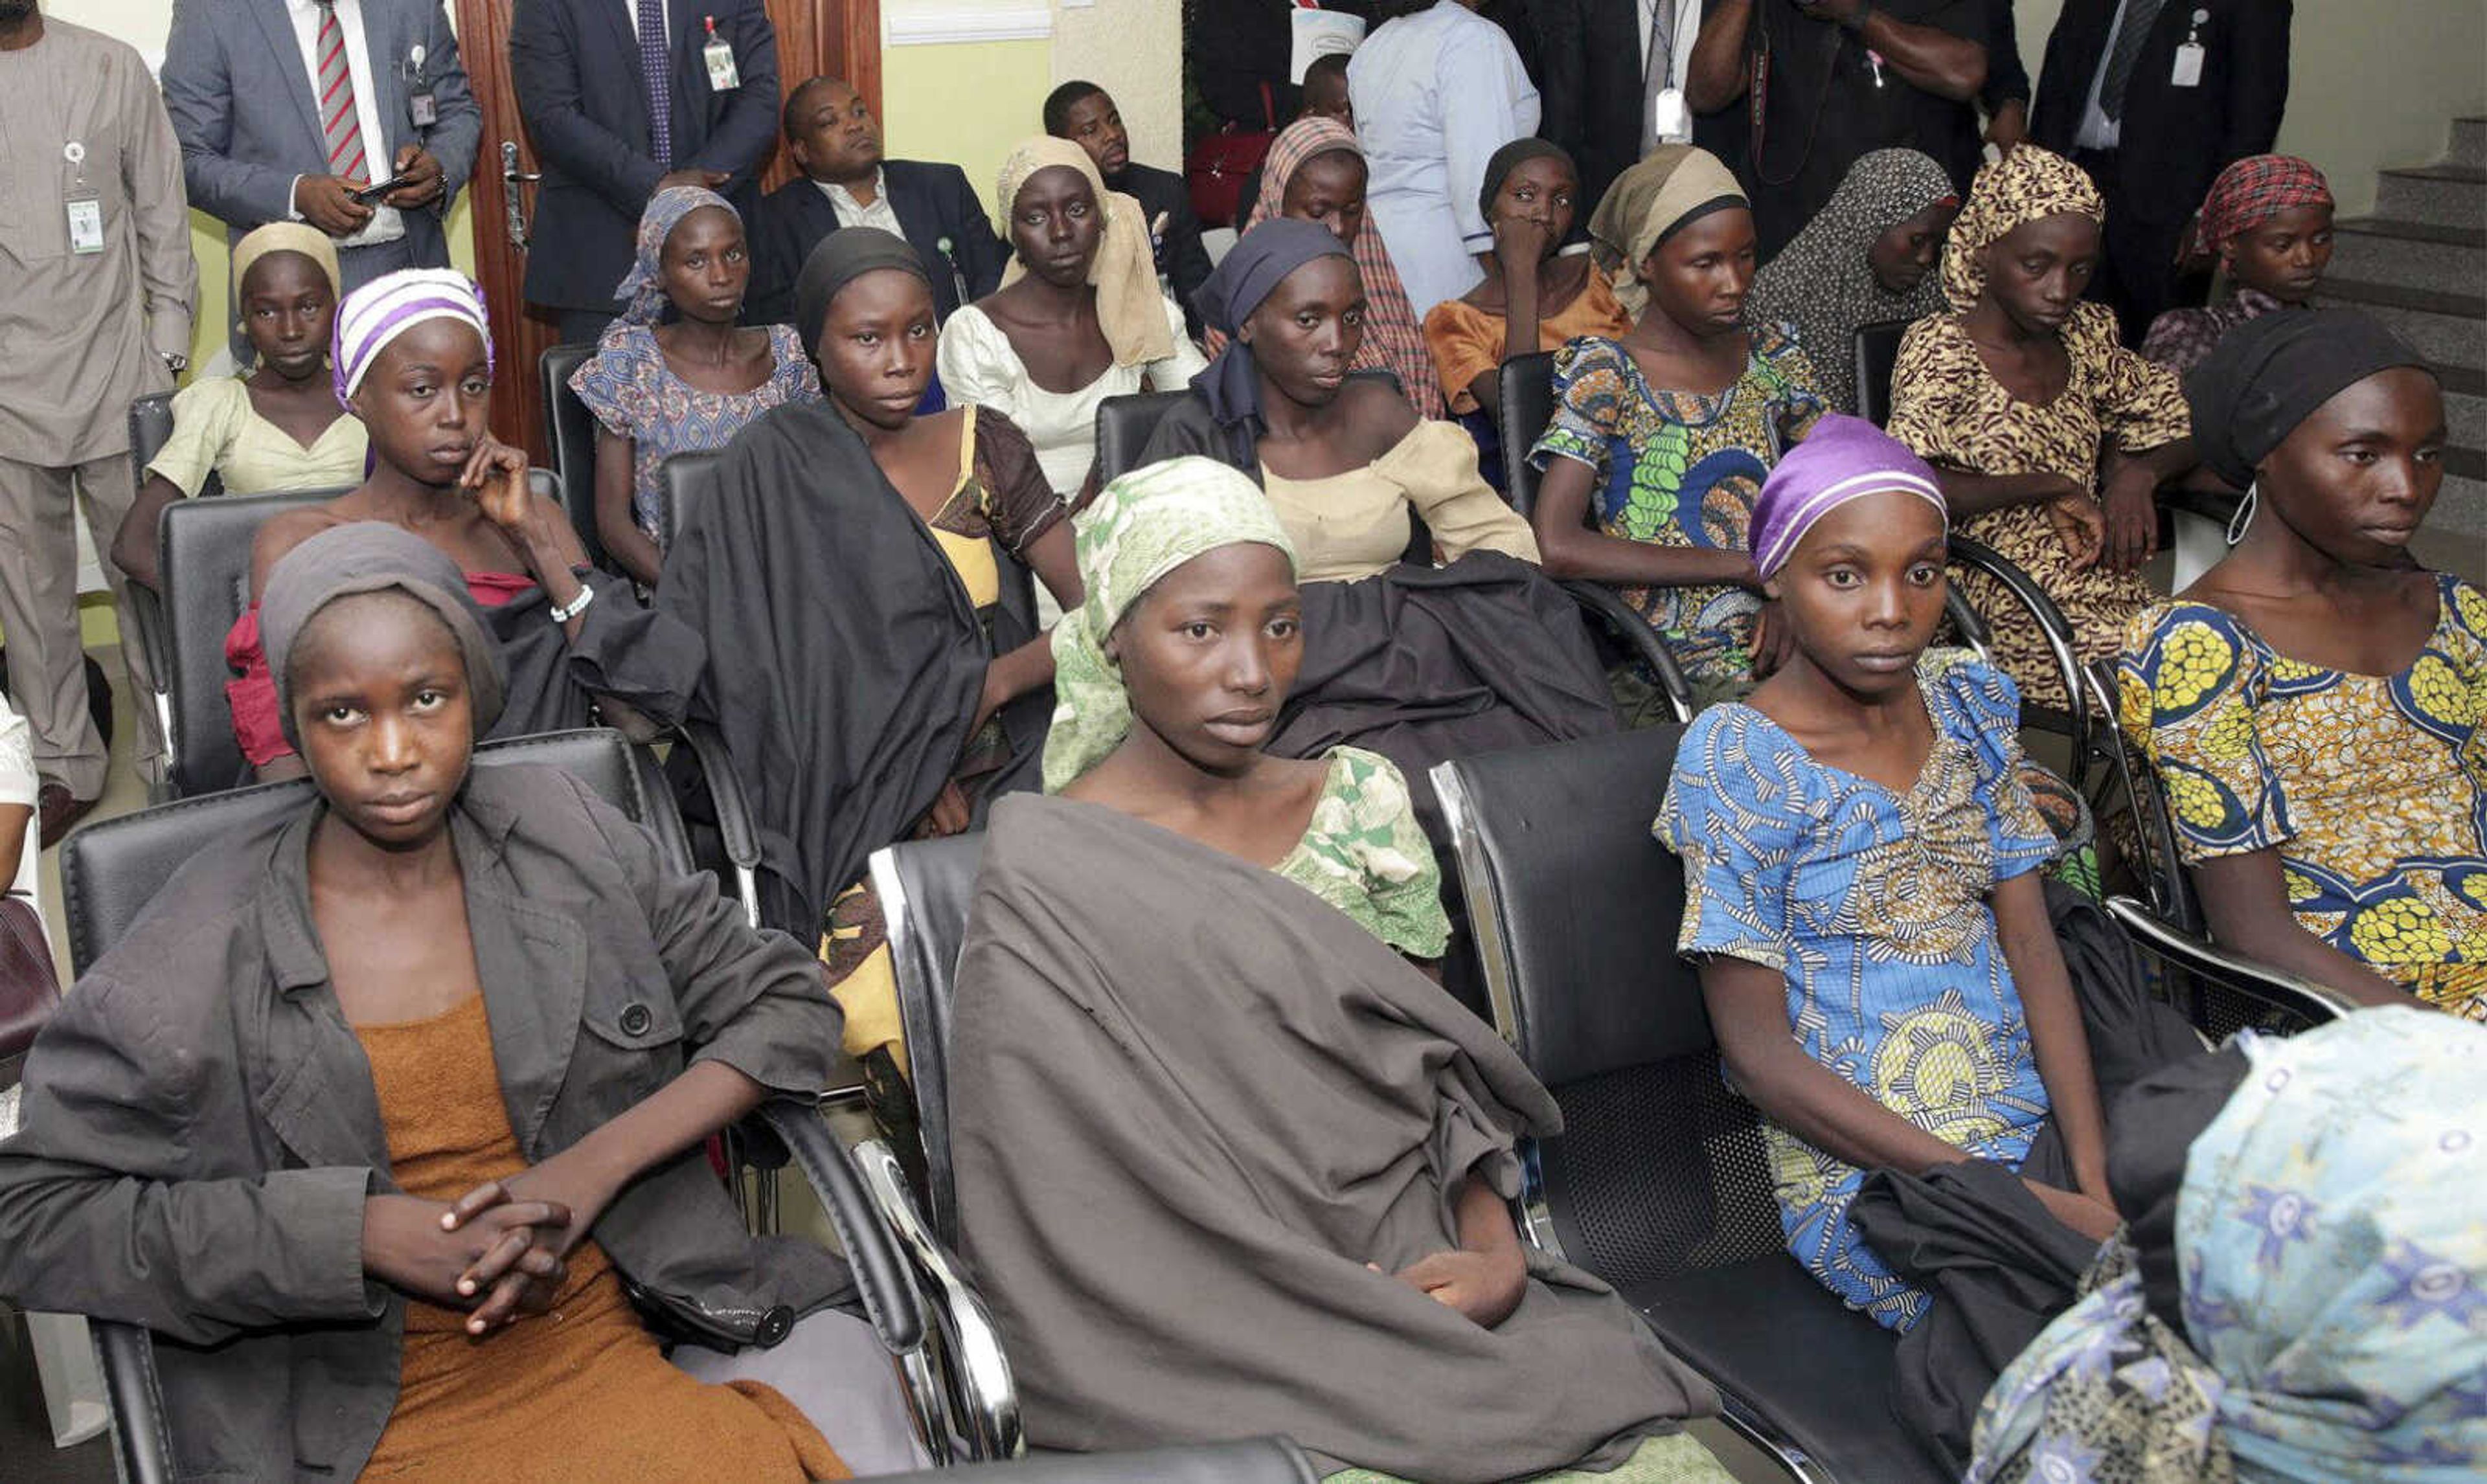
(2188, 70)
(722, 74)
(422, 107)
(84, 206)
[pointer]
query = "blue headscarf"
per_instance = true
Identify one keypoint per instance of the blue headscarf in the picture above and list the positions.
(642, 289)
(2332, 1261)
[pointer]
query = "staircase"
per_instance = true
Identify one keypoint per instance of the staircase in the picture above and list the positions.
(2419, 266)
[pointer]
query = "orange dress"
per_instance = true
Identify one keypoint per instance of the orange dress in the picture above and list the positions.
(1466, 340)
(581, 1390)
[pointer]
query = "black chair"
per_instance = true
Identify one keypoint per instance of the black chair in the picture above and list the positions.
(205, 554)
(1527, 394)
(151, 427)
(683, 483)
(1125, 425)
(2078, 721)
(1660, 1182)
(1255, 1461)
(110, 870)
(1877, 352)
(2222, 990)
(571, 431)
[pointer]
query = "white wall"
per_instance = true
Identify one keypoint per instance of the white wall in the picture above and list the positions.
(2372, 83)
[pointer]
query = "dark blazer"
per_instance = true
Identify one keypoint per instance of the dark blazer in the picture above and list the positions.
(200, 1130)
(575, 67)
(2174, 140)
(1593, 88)
(935, 203)
(240, 103)
(1181, 258)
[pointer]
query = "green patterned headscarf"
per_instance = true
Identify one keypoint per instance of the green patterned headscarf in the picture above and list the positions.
(1143, 525)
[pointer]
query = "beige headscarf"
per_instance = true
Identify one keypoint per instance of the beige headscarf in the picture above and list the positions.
(1646, 202)
(1130, 306)
(288, 237)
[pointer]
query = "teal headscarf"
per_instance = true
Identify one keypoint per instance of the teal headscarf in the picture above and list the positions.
(1142, 526)
(2333, 1268)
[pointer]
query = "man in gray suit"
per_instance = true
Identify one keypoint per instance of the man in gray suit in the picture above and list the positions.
(292, 109)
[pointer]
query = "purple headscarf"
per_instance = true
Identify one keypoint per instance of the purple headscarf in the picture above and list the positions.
(1842, 460)
(391, 304)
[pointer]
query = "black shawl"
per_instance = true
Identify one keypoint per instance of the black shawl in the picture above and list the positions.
(1191, 1102)
(844, 660)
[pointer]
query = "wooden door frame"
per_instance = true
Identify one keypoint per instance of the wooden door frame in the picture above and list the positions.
(846, 39)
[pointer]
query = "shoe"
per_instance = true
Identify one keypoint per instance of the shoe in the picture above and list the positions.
(58, 808)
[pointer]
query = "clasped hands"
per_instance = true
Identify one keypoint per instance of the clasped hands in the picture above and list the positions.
(1485, 1286)
(498, 1252)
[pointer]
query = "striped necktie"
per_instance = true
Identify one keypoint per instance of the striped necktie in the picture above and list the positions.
(654, 67)
(338, 118)
(2130, 37)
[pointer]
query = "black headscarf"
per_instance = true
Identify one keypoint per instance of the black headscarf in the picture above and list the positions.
(2268, 374)
(1510, 157)
(1251, 271)
(841, 257)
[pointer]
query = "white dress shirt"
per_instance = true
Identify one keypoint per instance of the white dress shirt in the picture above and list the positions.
(1688, 30)
(379, 161)
(1436, 93)
(854, 213)
(2098, 131)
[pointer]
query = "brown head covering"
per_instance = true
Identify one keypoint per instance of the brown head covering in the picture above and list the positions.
(372, 556)
(1130, 307)
(1676, 184)
(2028, 185)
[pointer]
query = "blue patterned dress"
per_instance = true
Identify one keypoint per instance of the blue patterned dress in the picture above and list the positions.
(636, 395)
(1873, 906)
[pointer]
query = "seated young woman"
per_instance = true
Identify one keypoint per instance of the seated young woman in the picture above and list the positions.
(1862, 899)
(278, 428)
(1419, 662)
(865, 570)
(414, 363)
(2010, 395)
(1315, 172)
(2268, 219)
(2296, 1295)
(386, 1116)
(1866, 258)
(1079, 316)
(1222, 1153)
(1660, 438)
(2313, 703)
(691, 385)
(1534, 296)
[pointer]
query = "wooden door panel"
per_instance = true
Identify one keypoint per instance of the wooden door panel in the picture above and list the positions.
(841, 37)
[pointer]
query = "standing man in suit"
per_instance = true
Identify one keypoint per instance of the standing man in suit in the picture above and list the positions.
(836, 142)
(1085, 114)
(2154, 99)
(290, 110)
(623, 98)
(1609, 69)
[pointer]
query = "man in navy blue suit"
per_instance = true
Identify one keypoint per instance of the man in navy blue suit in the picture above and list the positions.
(835, 140)
(623, 98)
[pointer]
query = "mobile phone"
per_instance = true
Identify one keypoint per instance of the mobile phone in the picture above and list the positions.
(371, 193)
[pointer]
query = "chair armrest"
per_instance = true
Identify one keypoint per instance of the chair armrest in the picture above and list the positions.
(141, 1444)
(733, 811)
(987, 1424)
(890, 1299)
(153, 638)
(2256, 981)
(1606, 606)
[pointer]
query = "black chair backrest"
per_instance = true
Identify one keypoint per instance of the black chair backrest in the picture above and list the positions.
(926, 887)
(571, 431)
(111, 869)
(1527, 383)
(1877, 351)
(151, 427)
(205, 546)
(1575, 908)
(1123, 427)
(1253, 1461)
(683, 481)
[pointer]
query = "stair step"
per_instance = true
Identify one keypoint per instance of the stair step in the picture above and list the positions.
(2465, 464)
(2465, 419)
(2445, 327)
(2470, 141)
(2461, 380)
(2415, 255)
(2449, 195)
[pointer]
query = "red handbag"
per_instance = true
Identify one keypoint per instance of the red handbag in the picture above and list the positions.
(1219, 166)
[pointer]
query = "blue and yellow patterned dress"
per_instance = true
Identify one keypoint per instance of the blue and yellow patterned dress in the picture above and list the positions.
(2373, 788)
(1682, 469)
(1873, 906)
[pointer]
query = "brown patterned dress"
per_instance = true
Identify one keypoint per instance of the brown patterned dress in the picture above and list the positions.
(1948, 406)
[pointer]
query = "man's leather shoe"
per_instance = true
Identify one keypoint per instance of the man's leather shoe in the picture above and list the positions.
(57, 809)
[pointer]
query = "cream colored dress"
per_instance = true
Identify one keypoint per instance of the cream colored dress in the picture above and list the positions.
(215, 429)
(1355, 525)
